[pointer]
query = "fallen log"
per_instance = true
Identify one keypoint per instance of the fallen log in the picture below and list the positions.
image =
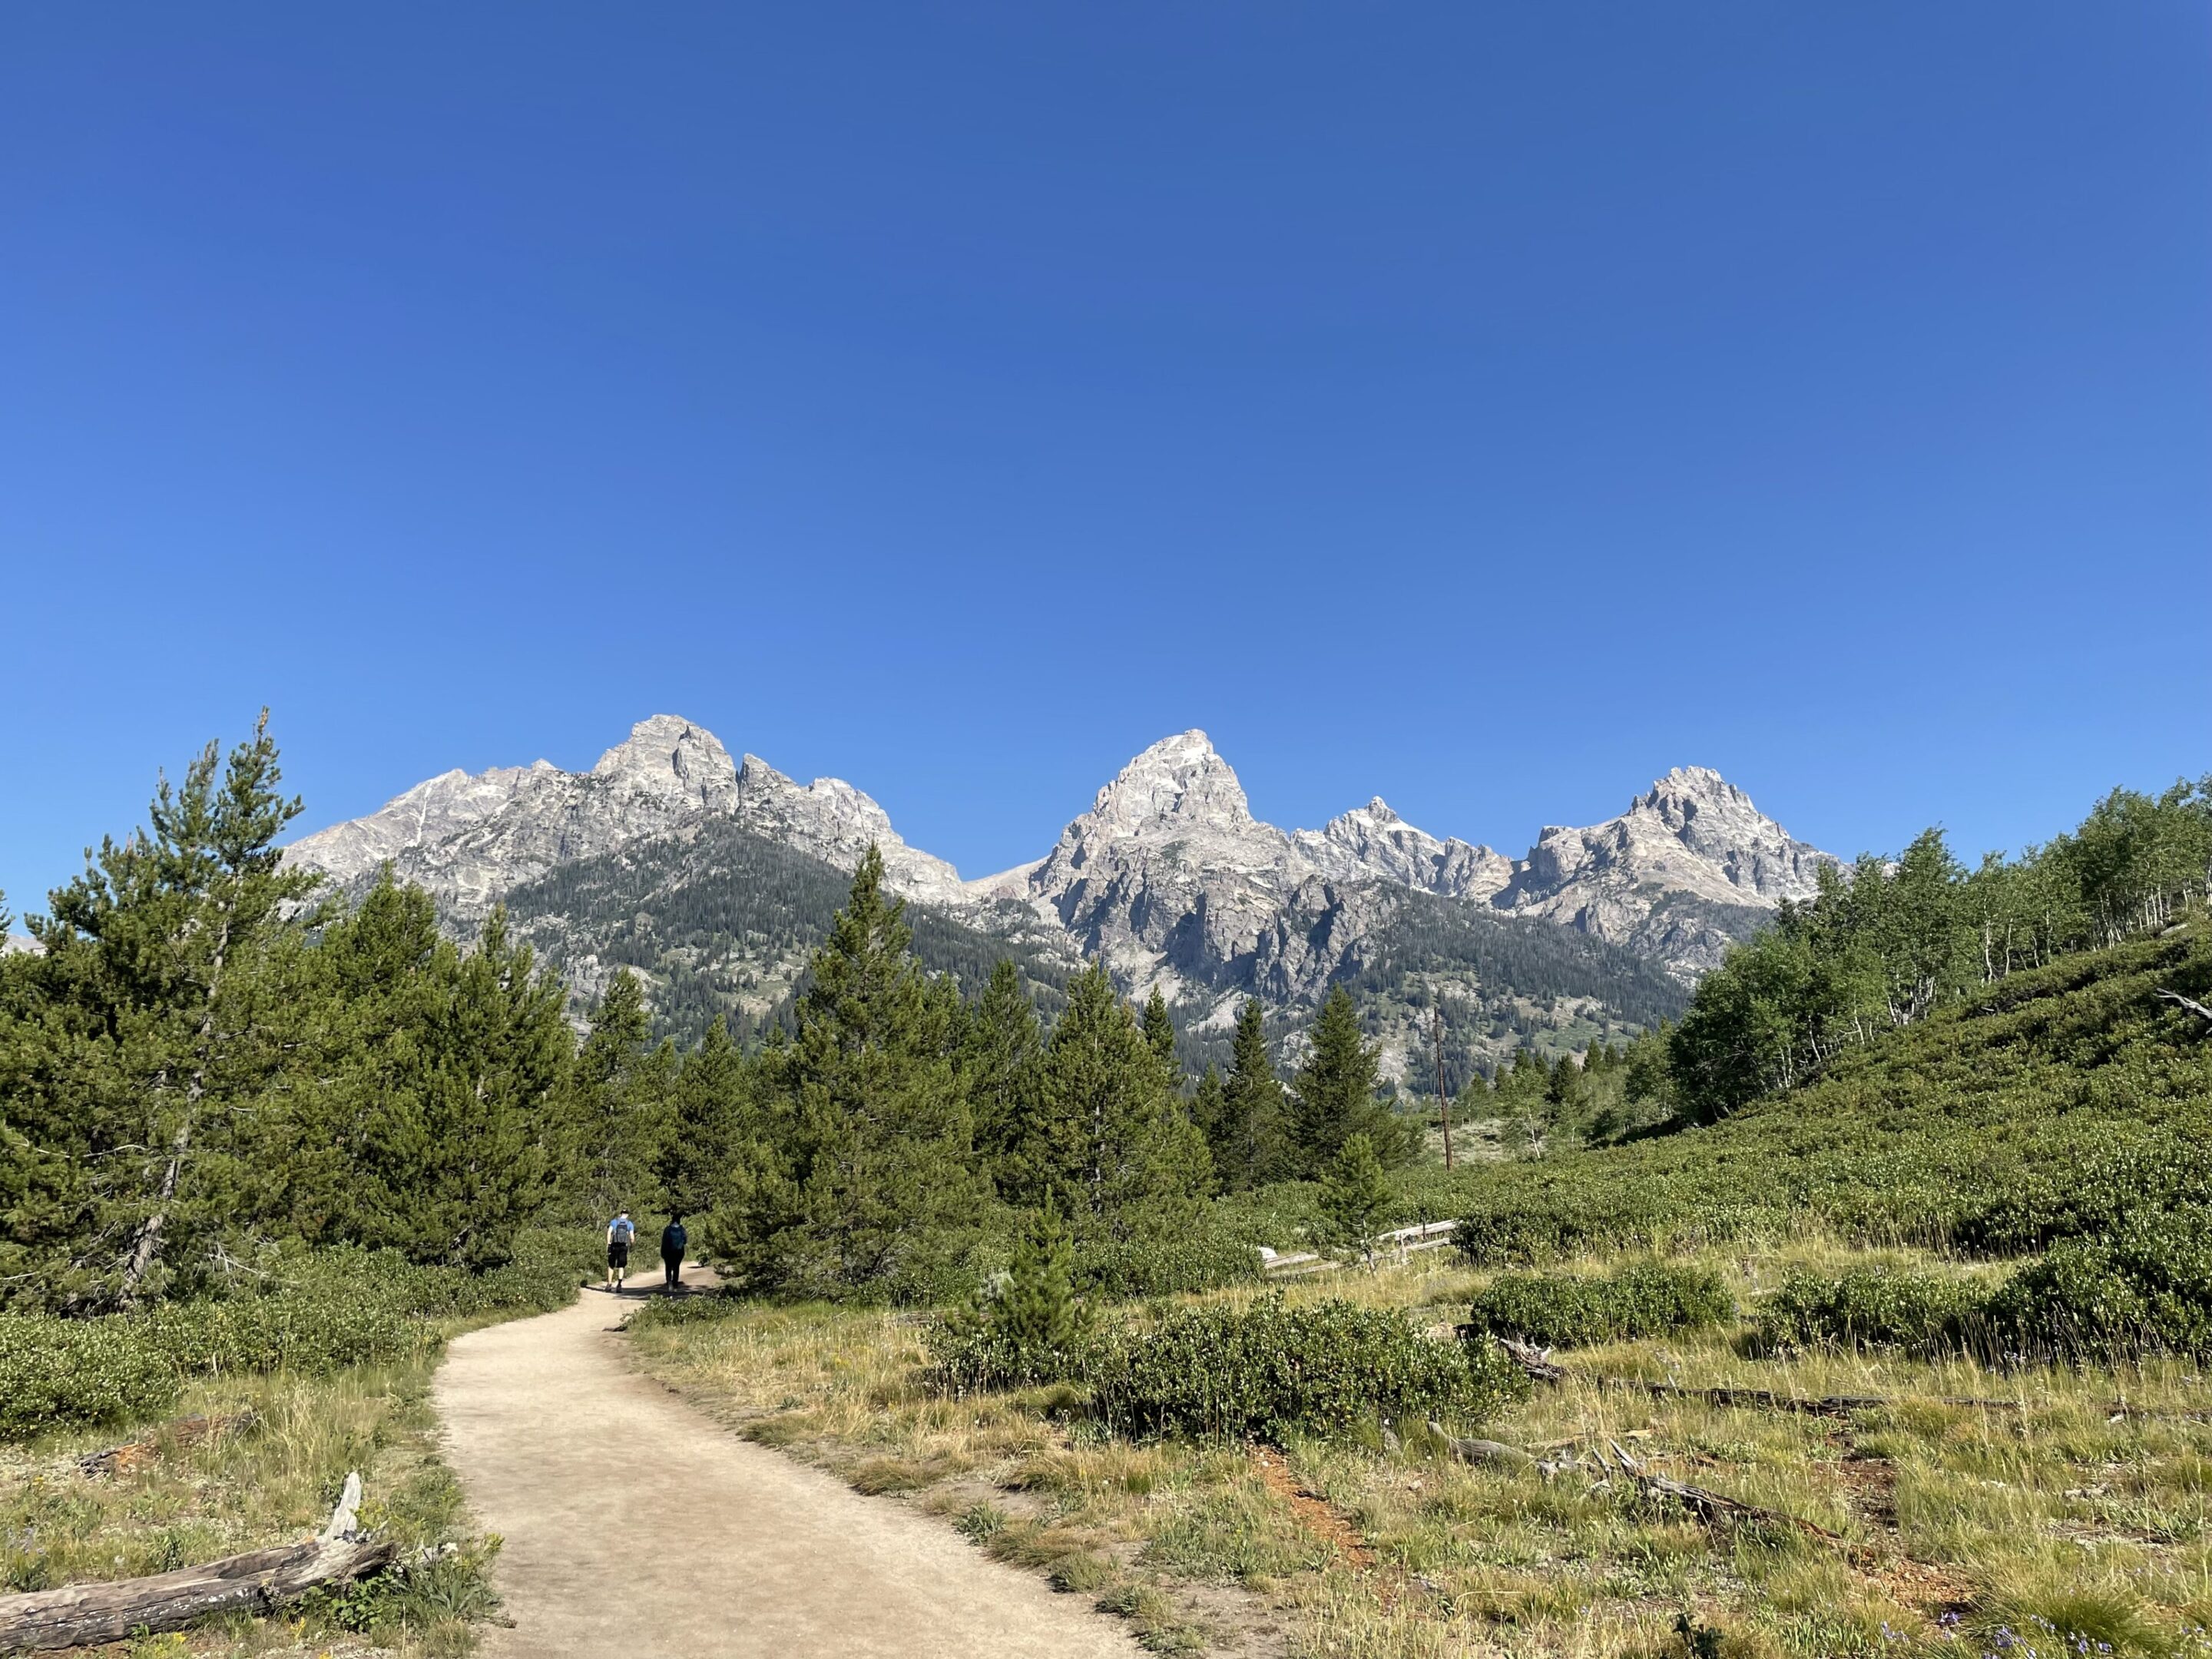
(1483, 1451)
(1535, 1361)
(185, 1431)
(1711, 1507)
(260, 1581)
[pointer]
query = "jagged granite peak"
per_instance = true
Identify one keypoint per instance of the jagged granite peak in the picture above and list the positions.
(421, 816)
(1178, 785)
(469, 838)
(1665, 876)
(667, 756)
(1374, 841)
(1167, 875)
(1691, 831)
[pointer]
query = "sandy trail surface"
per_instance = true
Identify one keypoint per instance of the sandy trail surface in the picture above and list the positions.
(635, 1525)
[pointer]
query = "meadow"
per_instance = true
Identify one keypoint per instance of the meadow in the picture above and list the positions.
(2071, 1506)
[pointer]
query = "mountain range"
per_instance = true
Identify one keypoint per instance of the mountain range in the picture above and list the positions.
(713, 876)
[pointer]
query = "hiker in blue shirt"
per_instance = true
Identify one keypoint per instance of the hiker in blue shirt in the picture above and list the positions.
(673, 1243)
(622, 1232)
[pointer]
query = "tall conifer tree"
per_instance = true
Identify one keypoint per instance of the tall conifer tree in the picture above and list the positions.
(1334, 1093)
(150, 1047)
(1106, 1140)
(1250, 1138)
(871, 1188)
(1000, 1052)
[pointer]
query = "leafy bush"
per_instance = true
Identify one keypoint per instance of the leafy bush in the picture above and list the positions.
(1572, 1310)
(2049, 1106)
(314, 1333)
(1204, 1259)
(1880, 1306)
(79, 1373)
(321, 1311)
(698, 1309)
(1269, 1370)
(2147, 1288)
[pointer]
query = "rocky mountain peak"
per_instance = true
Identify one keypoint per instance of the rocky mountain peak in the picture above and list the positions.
(1374, 841)
(1179, 784)
(667, 756)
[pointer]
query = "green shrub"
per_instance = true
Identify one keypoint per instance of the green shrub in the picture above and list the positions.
(1206, 1258)
(657, 1311)
(1572, 1310)
(2147, 1288)
(79, 1373)
(1879, 1306)
(311, 1332)
(1269, 1370)
(1025, 1324)
(314, 1312)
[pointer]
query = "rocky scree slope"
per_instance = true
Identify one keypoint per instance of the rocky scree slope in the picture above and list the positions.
(715, 878)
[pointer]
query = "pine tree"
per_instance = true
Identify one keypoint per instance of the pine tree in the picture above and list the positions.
(416, 1114)
(869, 1188)
(1334, 1094)
(151, 1047)
(617, 1109)
(1000, 1052)
(714, 1110)
(1354, 1197)
(1250, 1135)
(1106, 1140)
(1160, 1037)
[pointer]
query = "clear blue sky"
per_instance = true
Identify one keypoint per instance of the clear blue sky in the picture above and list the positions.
(1486, 405)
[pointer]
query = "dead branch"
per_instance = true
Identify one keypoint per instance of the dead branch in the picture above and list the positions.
(1483, 1451)
(1715, 1508)
(2189, 1003)
(1540, 1366)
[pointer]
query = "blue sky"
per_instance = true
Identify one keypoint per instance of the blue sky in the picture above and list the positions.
(1488, 406)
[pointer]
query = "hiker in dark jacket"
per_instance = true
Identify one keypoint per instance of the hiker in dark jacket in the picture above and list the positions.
(673, 1241)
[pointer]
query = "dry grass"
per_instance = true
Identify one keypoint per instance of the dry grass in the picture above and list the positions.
(2059, 1508)
(273, 1483)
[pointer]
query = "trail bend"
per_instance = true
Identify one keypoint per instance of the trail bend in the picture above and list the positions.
(636, 1526)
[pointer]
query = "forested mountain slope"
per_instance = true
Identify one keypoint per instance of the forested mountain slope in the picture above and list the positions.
(721, 921)
(2047, 1105)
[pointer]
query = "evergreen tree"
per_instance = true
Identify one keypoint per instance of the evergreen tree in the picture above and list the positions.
(1250, 1132)
(1209, 1115)
(415, 1116)
(1000, 1053)
(618, 1106)
(1354, 1197)
(1334, 1094)
(1106, 1140)
(714, 1110)
(867, 1187)
(1160, 1037)
(149, 1047)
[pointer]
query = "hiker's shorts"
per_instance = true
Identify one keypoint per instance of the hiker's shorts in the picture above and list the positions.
(618, 1256)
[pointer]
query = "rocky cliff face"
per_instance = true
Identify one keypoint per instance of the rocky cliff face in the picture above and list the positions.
(1168, 874)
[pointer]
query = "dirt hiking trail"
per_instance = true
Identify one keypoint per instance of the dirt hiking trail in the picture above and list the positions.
(635, 1525)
